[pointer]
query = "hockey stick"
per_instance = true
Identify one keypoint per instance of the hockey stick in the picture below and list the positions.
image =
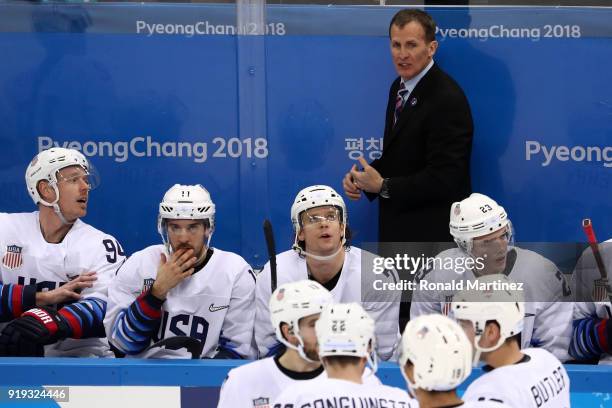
(193, 345)
(269, 235)
(600, 284)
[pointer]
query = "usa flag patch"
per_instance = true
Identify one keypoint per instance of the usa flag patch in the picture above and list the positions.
(12, 259)
(261, 402)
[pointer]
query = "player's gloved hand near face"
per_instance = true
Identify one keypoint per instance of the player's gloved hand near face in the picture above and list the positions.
(26, 335)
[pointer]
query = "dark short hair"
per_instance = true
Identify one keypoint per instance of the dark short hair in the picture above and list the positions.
(343, 361)
(403, 17)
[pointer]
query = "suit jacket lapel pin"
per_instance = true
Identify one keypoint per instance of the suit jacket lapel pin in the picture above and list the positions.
(413, 101)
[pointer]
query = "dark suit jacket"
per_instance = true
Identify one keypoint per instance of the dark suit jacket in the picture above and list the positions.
(426, 156)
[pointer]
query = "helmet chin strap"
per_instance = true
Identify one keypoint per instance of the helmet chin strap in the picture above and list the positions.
(55, 206)
(61, 216)
(480, 350)
(317, 257)
(299, 348)
(410, 384)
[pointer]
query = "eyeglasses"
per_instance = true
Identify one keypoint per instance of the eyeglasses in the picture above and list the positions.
(75, 179)
(332, 216)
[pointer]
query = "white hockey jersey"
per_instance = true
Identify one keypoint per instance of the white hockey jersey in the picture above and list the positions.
(331, 392)
(28, 259)
(539, 380)
(547, 322)
(257, 384)
(584, 277)
(354, 285)
(214, 305)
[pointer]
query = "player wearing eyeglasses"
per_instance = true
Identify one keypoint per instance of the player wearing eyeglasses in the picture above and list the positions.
(322, 252)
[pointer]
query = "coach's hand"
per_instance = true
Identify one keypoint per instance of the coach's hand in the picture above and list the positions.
(172, 272)
(369, 179)
(26, 335)
(348, 184)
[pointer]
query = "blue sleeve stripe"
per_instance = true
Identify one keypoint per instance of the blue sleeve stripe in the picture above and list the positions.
(1, 300)
(134, 329)
(121, 340)
(97, 306)
(10, 299)
(134, 335)
(141, 316)
(131, 335)
(128, 347)
(85, 312)
(135, 322)
(586, 343)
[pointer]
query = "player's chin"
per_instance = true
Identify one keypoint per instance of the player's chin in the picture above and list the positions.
(79, 212)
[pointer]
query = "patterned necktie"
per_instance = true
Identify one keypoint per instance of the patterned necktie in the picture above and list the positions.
(399, 102)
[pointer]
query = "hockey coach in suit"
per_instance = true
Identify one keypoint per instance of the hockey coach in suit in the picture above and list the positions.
(425, 164)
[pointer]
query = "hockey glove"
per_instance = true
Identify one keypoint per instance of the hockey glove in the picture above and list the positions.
(26, 335)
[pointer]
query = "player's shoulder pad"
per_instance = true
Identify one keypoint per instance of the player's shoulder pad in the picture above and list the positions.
(16, 223)
(146, 259)
(288, 262)
(233, 264)
(539, 263)
(431, 263)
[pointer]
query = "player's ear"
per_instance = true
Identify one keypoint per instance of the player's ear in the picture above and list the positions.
(45, 191)
(286, 331)
(491, 333)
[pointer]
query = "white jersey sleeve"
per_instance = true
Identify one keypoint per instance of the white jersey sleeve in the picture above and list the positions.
(236, 339)
(424, 301)
(381, 304)
(125, 334)
(265, 337)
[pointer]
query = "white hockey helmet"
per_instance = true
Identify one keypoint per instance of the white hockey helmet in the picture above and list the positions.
(312, 197)
(473, 217)
(491, 301)
(293, 301)
(439, 350)
(316, 196)
(185, 202)
(346, 329)
(46, 164)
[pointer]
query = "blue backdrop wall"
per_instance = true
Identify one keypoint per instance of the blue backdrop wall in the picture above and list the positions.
(159, 94)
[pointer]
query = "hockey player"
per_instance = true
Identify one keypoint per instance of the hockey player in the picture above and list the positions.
(592, 337)
(184, 287)
(483, 234)
(55, 268)
(435, 358)
(294, 309)
(493, 317)
(345, 335)
(321, 252)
